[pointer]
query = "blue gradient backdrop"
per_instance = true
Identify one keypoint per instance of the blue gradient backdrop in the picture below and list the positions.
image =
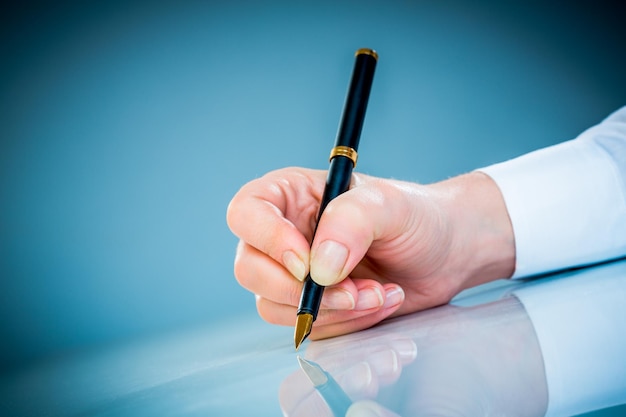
(126, 127)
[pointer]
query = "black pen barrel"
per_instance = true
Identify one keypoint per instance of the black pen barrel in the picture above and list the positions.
(343, 156)
(353, 113)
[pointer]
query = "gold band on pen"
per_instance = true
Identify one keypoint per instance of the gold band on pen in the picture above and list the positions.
(346, 151)
(367, 51)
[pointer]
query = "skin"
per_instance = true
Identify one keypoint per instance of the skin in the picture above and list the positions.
(384, 248)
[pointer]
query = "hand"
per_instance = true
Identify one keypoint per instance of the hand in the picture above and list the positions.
(383, 248)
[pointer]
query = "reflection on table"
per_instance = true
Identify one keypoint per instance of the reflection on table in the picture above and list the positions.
(554, 344)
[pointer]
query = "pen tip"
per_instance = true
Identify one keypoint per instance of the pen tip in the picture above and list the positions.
(304, 323)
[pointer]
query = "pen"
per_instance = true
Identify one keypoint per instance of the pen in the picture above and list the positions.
(343, 159)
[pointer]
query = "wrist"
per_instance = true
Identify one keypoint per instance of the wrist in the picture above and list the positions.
(482, 245)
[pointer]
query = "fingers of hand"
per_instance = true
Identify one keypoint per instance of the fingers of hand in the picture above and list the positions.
(266, 278)
(283, 314)
(262, 275)
(276, 214)
(347, 306)
(336, 322)
(281, 307)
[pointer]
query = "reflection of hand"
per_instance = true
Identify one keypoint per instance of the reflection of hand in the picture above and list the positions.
(478, 361)
(364, 371)
(360, 378)
(384, 247)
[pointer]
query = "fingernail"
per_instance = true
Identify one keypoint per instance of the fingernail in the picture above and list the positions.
(327, 262)
(338, 299)
(393, 297)
(369, 297)
(294, 264)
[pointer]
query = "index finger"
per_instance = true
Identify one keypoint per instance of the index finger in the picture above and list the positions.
(276, 214)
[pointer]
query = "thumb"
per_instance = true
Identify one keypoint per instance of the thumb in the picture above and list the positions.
(349, 225)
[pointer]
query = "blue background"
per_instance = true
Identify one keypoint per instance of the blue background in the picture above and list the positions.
(126, 127)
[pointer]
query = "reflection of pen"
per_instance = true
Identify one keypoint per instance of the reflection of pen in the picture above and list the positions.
(342, 159)
(335, 397)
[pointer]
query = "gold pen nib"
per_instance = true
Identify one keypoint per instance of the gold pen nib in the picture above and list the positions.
(304, 323)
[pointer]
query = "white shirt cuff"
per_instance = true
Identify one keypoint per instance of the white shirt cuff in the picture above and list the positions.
(567, 202)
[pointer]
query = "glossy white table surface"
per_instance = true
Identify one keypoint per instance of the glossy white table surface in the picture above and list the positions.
(478, 356)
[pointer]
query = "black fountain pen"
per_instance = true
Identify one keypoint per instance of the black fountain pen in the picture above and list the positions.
(342, 160)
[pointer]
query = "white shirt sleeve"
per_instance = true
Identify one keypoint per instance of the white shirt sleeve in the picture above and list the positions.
(567, 202)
